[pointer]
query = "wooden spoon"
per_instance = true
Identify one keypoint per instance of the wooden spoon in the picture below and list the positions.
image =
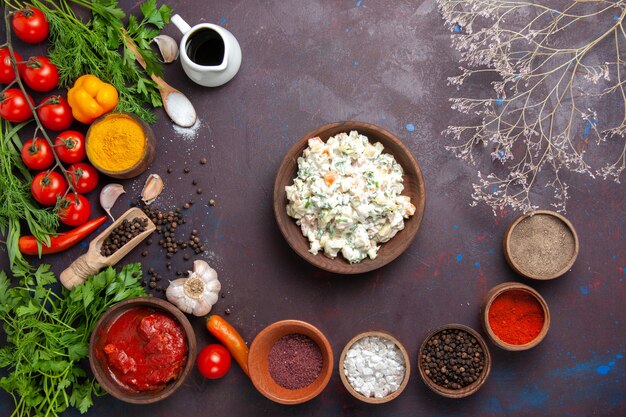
(91, 262)
(176, 104)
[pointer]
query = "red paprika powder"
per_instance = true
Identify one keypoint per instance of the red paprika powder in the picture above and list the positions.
(516, 317)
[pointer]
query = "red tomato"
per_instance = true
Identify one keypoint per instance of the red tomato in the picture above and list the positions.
(70, 146)
(37, 154)
(41, 74)
(213, 361)
(55, 113)
(75, 210)
(7, 75)
(84, 177)
(46, 186)
(14, 107)
(30, 25)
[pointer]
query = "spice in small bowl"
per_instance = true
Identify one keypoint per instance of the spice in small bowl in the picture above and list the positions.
(120, 145)
(515, 316)
(454, 361)
(290, 362)
(541, 245)
(374, 367)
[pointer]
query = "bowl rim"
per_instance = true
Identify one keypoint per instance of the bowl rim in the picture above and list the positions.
(500, 289)
(148, 133)
(506, 243)
(474, 386)
(268, 334)
(280, 198)
(407, 364)
(111, 314)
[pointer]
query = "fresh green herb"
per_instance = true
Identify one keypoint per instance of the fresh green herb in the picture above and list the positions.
(48, 336)
(308, 203)
(17, 203)
(91, 47)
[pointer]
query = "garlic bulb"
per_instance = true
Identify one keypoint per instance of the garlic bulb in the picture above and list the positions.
(167, 46)
(198, 293)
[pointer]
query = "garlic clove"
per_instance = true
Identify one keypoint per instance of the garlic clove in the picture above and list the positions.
(152, 189)
(109, 195)
(167, 47)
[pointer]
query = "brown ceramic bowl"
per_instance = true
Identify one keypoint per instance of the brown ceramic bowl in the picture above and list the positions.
(258, 362)
(499, 290)
(561, 246)
(146, 157)
(461, 392)
(98, 361)
(358, 395)
(413, 187)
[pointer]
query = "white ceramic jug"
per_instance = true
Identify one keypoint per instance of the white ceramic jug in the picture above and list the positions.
(210, 55)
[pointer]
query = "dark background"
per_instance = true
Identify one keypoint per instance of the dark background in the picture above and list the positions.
(309, 63)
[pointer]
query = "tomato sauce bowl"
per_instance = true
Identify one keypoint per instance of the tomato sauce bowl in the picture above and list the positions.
(142, 349)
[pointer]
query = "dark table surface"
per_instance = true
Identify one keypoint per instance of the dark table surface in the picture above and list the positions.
(309, 63)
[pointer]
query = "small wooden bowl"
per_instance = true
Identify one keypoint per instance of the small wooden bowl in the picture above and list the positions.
(98, 361)
(525, 270)
(513, 286)
(358, 395)
(259, 365)
(413, 187)
(462, 392)
(148, 153)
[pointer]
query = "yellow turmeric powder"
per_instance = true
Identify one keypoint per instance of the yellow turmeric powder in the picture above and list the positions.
(116, 143)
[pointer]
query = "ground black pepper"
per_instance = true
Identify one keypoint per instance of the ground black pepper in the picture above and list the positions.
(295, 361)
(453, 359)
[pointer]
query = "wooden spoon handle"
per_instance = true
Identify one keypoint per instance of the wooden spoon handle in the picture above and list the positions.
(79, 270)
(132, 46)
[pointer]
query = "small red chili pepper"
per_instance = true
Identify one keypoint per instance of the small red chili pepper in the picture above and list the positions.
(227, 334)
(62, 241)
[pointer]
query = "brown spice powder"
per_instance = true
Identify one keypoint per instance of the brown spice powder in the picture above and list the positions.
(541, 245)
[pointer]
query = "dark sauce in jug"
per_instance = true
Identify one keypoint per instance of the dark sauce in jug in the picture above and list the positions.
(206, 47)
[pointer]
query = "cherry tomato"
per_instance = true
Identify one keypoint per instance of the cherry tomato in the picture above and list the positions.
(55, 113)
(70, 146)
(213, 361)
(7, 75)
(30, 25)
(75, 210)
(46, 186)
(84, 177)
(37, 154)
(14, 107)
(41, 74)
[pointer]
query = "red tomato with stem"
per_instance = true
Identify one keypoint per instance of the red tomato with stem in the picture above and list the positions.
(30, 25)
(14, 107)
(84, 177)
(55, 113)
(41, 74)
(7, 75)
(213, 361)
(37, 154)
(74, 210)
(46, 186)
(70, 146)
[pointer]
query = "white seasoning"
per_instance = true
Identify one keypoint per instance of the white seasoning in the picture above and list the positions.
(180, 110)
(374, 366)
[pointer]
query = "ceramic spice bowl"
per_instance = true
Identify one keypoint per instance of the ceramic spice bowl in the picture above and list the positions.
(369, 363)
(99, 362)
(294, 354)
(108, 143)
(454, 361)
(542, 245)
(515, 316)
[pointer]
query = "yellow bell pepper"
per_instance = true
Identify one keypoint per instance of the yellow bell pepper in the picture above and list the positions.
(90, 98)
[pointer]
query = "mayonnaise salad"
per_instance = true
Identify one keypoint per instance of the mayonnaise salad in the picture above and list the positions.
(347, 196)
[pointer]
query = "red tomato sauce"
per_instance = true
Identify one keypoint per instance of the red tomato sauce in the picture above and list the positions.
(145, 349)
